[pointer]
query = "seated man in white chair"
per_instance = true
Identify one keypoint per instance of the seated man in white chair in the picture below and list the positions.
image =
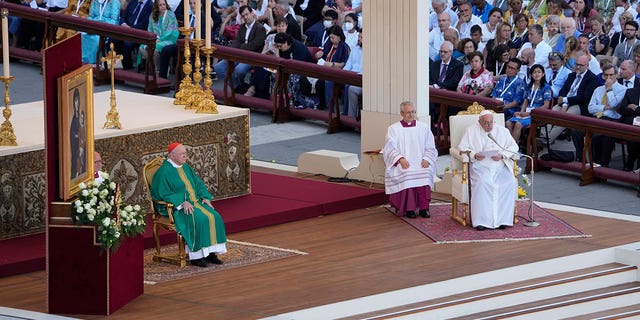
(493, 186)
(410, 159)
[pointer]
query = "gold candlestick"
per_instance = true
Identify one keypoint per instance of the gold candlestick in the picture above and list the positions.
(196, 93)
(7, 137)
(113, 118)
(208, 103)
(186, 86)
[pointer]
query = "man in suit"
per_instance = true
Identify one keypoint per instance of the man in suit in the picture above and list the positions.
(136, 15)
(293, 28)
(629, 109)
(557, 73)
(627, 75)
(575, 93)
(444, 74)
(251, 36)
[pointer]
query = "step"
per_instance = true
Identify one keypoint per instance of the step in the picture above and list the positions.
(564, 306)
(626, 312)
(508, 294)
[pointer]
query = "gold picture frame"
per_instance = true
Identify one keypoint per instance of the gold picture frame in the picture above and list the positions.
(75, 130)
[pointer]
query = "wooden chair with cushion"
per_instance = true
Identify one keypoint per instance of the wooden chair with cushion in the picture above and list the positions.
(460, 183)
(162, 221)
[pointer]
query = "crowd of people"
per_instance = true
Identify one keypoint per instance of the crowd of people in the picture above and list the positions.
(576, 56)
(275, 27)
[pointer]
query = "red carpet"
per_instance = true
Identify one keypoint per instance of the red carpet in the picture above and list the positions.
(274, 200)
(441, 229)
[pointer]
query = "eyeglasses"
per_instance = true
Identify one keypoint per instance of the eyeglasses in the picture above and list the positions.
(512, 67)
(407, 112)
(580, 65)
(485, 123)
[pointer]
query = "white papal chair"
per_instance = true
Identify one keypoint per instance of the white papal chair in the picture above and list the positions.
(460, 187)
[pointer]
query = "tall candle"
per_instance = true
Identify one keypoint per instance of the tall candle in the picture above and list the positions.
(5, 42)
(207, 31)
(185, 8)
(198, 17)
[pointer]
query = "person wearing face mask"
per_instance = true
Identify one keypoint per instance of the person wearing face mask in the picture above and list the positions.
(107, 11)
(330, 19)
(622, 6)
(350, 30)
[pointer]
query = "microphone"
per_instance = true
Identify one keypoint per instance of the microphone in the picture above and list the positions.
(531, 222)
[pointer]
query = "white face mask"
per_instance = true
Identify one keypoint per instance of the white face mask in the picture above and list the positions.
(348, 25)
(327, 23)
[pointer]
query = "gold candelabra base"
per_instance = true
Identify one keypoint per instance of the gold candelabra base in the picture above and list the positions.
(207, 103)
(186, 85)
(7, 137)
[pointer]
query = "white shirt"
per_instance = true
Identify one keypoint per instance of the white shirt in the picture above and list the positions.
(465, 28)
(542, 51)
(57, 3)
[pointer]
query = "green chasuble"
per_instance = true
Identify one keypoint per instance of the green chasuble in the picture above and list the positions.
(205, 227)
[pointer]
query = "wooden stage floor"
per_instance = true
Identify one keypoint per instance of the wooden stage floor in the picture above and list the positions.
(351, 254)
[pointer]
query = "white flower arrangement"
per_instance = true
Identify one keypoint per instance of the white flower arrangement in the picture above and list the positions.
(99, 204)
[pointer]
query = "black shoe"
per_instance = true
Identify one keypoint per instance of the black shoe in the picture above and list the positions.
(480, 228)
(425, 213)
(502, 226)
(199, 263)
(212, 258)
(411, 214)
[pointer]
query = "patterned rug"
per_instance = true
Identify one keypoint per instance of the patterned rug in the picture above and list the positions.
(442, 229)
(238, 254)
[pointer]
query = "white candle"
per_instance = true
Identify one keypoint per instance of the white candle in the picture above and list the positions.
(207, 31)
(5, 43)
(198, 17)
(185, 7)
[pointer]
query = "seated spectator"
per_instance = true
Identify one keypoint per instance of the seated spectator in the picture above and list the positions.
(441, 6)
(313, 14)
(330, 20)
(510, 89)
(582, 14)
(624, 51)
(436, 36)
(554, 7)
(447, 72)
(77, 9)
(571, 52)
(520, 34)
(353, 98)
(617, 37)
(290, 48)
(282, 10)
(528, 58)
(264, 13)
(259, 85)
(476, 36)
(350, 27)
(482, 9)
(552, 33)
(622, 7)
(108, 12)
(604, 105)
(232, 20)
(334, 54)
(503, 33)
(629, 110)
(136, 15)
(537, 95)
(466, 20)
(164, 24)
(598, 40)
(627, 76)
(451, 35)
(541, 48)
(557, 73)
(251, 36)
(467, 46)
(476, 81)
(515, 8)
(568, 27)
(489, 28)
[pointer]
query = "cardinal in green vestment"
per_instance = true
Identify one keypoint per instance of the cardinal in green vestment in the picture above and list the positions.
(196, 220)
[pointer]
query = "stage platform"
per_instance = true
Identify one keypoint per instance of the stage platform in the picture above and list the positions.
(218, 146)
(275, 199)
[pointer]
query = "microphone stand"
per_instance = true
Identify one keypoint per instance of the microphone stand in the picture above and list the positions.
(531, 222)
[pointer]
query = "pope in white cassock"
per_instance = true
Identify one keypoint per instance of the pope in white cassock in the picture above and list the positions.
(493, 186)
(410, 159)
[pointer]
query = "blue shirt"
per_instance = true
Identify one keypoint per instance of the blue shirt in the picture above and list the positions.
(559, 47)
(614, 97)
(557, 83)
(509, 90)
(484, 14)
(354, 63)
(537, 98)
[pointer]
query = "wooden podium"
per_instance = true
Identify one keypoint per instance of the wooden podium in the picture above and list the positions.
(81, 277)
